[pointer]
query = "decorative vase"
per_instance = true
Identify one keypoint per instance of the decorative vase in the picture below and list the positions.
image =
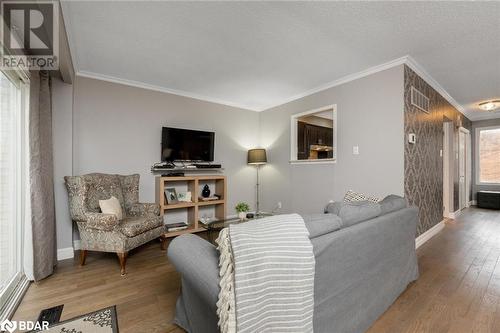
(242, 215)
(206, 191)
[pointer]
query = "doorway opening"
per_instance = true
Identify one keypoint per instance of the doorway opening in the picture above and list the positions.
(447, 167)
(464, 167)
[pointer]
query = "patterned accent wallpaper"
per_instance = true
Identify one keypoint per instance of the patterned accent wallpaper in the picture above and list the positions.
(423, 163)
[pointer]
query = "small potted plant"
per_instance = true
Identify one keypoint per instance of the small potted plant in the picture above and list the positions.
(242, 208)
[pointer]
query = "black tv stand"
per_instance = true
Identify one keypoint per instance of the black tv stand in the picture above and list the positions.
(173, 174)
(207, 166)
(167, 168)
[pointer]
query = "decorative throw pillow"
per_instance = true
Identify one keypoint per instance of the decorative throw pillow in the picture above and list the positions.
(354, 196)
(111, 206)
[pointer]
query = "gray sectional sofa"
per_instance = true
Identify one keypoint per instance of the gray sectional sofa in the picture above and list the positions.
(365, 258)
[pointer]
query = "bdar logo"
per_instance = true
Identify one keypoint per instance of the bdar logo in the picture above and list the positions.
(8, 325)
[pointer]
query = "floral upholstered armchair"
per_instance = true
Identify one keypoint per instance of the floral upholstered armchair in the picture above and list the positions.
(141, 222)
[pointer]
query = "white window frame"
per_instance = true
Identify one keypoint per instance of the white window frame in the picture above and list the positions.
(476, 157)
(293, 136)
(10, 296)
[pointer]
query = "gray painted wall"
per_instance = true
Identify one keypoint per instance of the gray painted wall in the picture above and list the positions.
(117, 129)
(475, 186)
(370, 115)
(62, 118)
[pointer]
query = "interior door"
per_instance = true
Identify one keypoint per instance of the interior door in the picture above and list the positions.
(462, 168)
(446, 169)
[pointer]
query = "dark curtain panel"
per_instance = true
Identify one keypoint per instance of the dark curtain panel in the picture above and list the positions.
(41, 176)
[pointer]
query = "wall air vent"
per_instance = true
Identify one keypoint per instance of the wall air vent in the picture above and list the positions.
(419, 100)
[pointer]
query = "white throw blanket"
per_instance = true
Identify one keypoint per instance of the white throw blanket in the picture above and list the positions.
(266, 276)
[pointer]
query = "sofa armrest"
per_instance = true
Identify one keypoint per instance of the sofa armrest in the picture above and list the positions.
(198, 262)
(101, 221)
(144, 209)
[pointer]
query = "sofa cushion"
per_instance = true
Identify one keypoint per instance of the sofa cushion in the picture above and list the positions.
(353, 212)
(133, 226)
(320, 224)
(354, 196)
(392, 203)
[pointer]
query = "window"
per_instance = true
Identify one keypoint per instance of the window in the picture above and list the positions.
(12, 171)
(488, 156)
(314, 136)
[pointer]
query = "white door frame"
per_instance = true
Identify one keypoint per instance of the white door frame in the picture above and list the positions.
(447, 173)
(464, 197)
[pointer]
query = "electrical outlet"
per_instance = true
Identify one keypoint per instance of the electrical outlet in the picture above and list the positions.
(355, 150)
(412, 138)
(280, 205)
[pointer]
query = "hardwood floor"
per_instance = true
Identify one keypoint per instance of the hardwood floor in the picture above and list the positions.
(458, 289)
(144, 298)
(459, 285)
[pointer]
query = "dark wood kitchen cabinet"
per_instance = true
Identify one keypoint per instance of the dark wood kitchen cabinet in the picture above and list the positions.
(308, 134)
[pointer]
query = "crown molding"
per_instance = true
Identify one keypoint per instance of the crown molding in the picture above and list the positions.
(143, 85)
(405, 60)
(342, 80)
(417, 68)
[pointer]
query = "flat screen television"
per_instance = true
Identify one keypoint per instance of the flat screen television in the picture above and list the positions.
(179, 144)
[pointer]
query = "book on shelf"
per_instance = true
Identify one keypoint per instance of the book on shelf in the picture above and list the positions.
(215, 197)
(176, 226)
(176, 229)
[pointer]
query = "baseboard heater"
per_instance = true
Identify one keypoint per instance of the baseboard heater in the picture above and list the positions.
(488, 199)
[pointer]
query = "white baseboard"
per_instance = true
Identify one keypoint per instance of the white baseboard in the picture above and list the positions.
(454, 215)
(429, 234)
(66, 253)
(473, 203)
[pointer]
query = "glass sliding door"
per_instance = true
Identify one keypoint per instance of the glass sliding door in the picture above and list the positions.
(11, 184)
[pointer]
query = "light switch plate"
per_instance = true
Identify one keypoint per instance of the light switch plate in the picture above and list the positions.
(355, 150)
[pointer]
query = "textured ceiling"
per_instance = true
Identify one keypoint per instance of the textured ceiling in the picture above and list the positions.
(260, 54)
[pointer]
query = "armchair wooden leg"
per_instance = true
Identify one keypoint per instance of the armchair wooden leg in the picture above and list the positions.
(163, 240)
(83, 256)
(122, 256)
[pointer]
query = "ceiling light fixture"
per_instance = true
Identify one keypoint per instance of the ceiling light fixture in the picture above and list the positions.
(490, 105)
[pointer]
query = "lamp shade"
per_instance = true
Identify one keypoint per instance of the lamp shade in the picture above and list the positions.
(257, 156)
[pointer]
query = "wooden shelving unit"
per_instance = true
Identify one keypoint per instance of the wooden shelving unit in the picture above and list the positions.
(193, 184)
